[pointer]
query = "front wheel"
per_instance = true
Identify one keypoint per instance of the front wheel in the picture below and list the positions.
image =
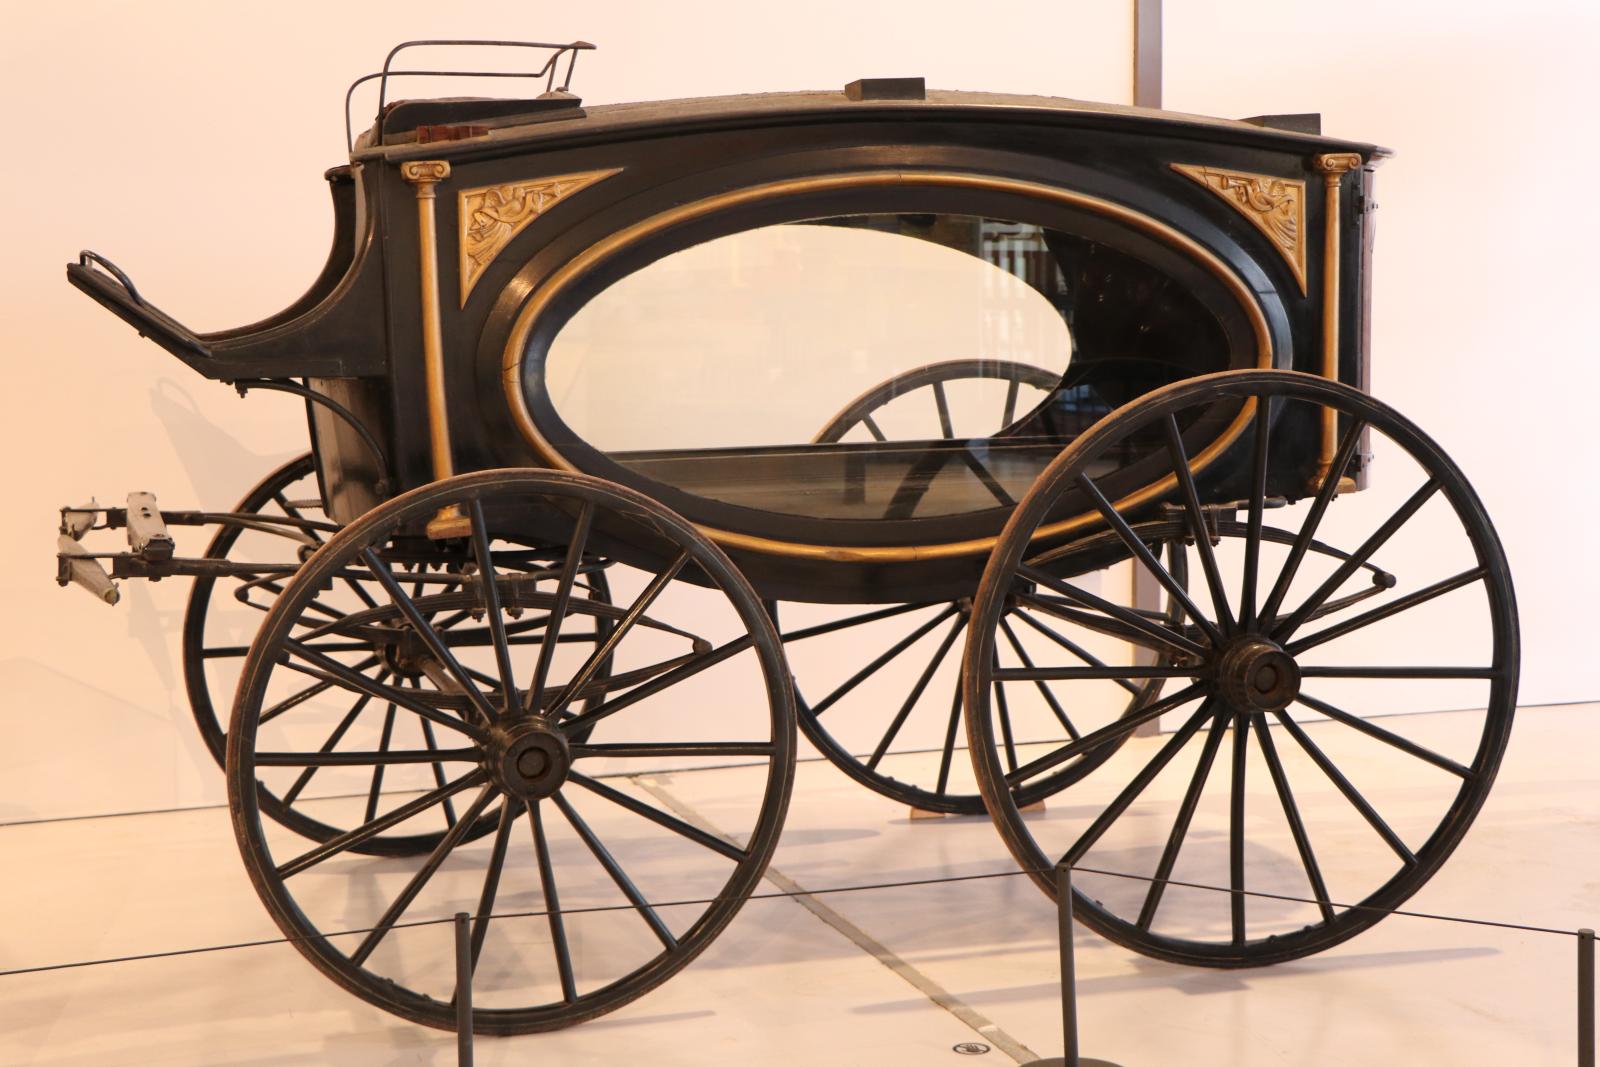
(569, 751)
(1278, 774)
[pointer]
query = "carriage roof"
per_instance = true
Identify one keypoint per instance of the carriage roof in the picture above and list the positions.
(562, 120)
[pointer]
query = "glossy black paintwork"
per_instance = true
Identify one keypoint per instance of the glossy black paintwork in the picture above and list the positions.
(362, 319)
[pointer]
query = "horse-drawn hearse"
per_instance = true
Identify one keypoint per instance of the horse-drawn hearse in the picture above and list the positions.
(642, 436)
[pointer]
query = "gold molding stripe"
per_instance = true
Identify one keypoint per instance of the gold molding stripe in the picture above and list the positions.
(1333, 167)
(587, 260)
(491, 215)
(1277, 207)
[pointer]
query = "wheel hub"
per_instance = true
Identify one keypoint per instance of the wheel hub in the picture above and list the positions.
(1255, 674)
(529, 758)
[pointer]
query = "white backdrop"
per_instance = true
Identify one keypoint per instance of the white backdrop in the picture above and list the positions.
(187, 142)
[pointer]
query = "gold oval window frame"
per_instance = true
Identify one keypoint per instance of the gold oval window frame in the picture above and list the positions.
(542, 297)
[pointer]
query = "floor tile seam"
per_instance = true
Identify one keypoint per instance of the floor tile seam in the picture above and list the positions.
(984, 1027)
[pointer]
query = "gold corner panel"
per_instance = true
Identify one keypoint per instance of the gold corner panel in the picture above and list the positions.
(491, 215)
(544, 295)
(1277, 207)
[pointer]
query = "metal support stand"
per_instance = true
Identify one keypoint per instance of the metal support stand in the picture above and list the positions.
(1069, 982)
(1586, 998)
(463, 991)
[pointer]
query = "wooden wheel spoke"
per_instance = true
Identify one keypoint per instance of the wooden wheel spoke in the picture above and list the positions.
(854, 620)
(1142, 553)
(305, 526)
(1071, 646)
(438, 768)
(1009, 415)
(674, 748)
(324, 667)
(1130, 619)
(1291, 813)
(294, 700)
(661, 818)
(369, 830)
(606, 860)
(1062, 674)
(429, 636)
(1003, 709)
(1429, 672)
(942, 405)
(915, 695)
(397, 908)
(1106, 735)
(329, 745)
(601, 654)
(1258, 502)
(1377, 614)
(1351, 793)
(558, 611)
(489, 580)
(1063, 610)
(1185, 815)
(1308, 529)
(491, 880)
(984, 475)
(1388, 737)
(552, 905)
(877, 664)
(377, 766)
(1137, 785)
(947, 756)
(360, 591)
(1236, 804)
(384, 757)
(873, 428)
(1361, 555)
(1197, 524)
(693, 666)
(1044, 690)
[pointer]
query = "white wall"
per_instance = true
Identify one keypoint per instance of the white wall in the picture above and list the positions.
(187, 140)
(1484, 262)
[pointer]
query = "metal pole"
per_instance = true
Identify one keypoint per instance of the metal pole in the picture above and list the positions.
(1069, 969)
(1069, 981)
(463, 991)
(1147, 53)
(1586, 998)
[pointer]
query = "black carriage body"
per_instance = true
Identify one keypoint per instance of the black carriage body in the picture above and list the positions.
(1239, 211)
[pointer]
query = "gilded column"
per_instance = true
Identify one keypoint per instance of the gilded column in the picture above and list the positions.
(424, 175)
(1333, 166)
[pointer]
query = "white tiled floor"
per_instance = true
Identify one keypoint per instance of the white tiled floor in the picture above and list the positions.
(784, 986)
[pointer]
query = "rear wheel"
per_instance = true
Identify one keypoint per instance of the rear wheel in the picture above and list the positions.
(881, 697)
(888, 679)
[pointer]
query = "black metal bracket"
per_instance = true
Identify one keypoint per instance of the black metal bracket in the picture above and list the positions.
(382, 487)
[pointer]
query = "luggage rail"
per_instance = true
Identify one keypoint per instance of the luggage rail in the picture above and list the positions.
(548, 71)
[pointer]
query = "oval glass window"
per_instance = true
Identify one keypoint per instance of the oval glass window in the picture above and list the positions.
(875, 366)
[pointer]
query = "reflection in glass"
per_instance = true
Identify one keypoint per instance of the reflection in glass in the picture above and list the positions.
(882, 366)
